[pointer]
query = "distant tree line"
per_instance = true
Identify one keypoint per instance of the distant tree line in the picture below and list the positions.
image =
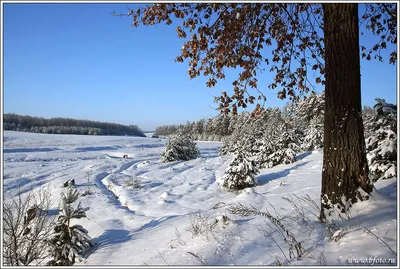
(276, 136)
(302, 115)
(212, 129)
(21, 123)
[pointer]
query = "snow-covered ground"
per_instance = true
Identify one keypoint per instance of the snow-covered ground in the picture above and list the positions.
(149, 134)
(156, 223)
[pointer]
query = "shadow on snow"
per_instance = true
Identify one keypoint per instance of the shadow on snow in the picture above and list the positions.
(264, 179)
(15, 150)
(110, 237)
(97, 148)
(303, 155)
(152, 226)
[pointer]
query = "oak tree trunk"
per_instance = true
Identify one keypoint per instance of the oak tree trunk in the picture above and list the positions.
(345, 168)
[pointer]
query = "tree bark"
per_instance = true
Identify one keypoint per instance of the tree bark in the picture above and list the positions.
(345, 169)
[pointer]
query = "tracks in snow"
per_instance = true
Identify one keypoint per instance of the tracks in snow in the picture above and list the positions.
(179, 180)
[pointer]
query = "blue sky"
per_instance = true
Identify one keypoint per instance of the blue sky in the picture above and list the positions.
(78, 61)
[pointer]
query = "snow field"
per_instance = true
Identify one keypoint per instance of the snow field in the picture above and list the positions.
(152, 222)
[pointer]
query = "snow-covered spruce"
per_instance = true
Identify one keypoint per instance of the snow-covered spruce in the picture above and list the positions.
(180, 147)
(240, 140)
(68, 242)
(268, 140)
(266, 149)
(281, 151)
(240, 173)
(311, 107)
(309, 117)
(314, 138)
(381, 142)
(250, 133)
(241, 131)
(227, 145)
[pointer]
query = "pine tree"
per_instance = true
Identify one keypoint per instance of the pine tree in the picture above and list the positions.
(242, 137)
(227, 145)
(240, 173)
(310, 115)
(267, 148)
(68, 242)
(311, 107)
(381, 142)
(285, 149)
(198, 128)
(180, 147)
(314, 138)
(233, 143)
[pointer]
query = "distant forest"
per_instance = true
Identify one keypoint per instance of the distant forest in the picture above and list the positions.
(21, 123)
(302, 116)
